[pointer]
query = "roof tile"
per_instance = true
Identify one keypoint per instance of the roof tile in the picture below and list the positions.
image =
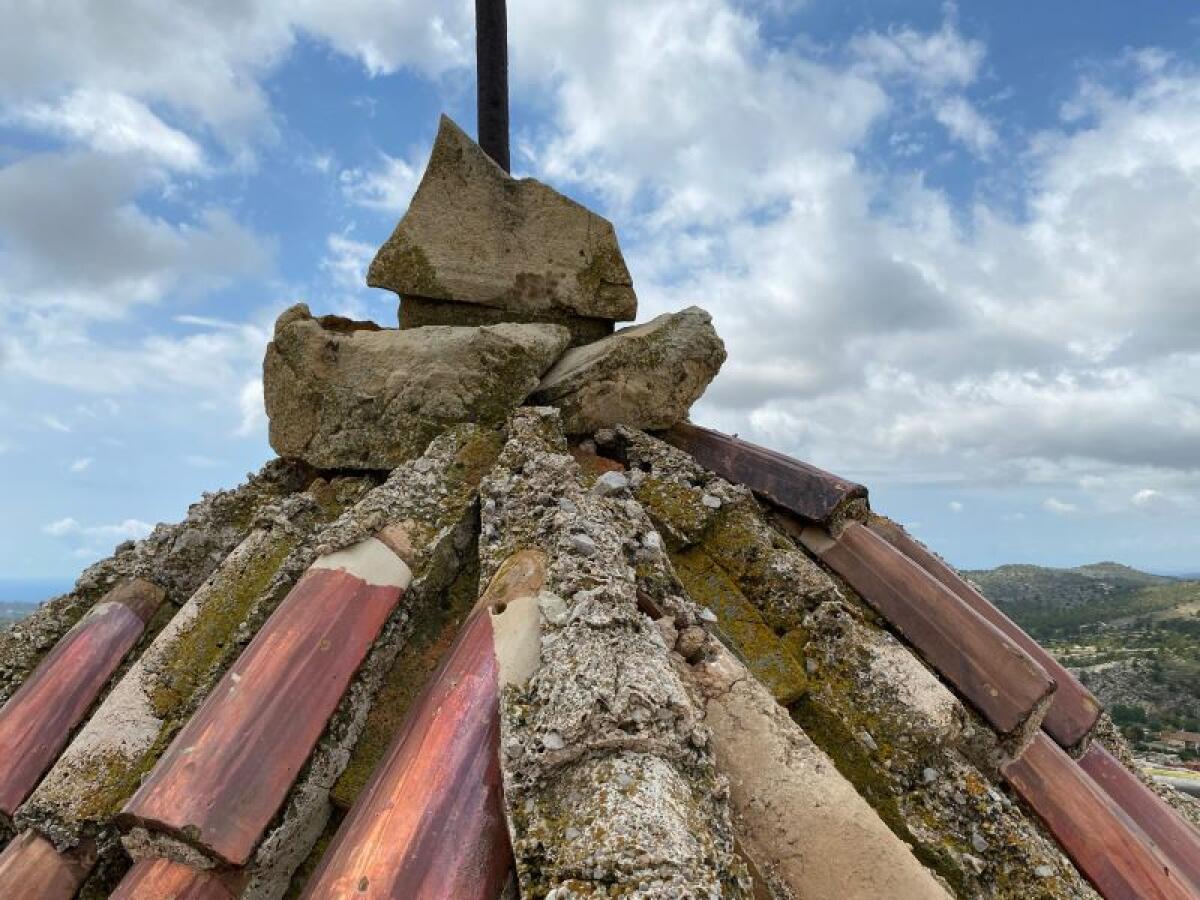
(1177, 840)
(1073, 710)
(430, 823)
(226, 774)
(38, 719)
(996, 676)
(809, 492)
(1114, 854)
(156, 879)
(32, 869)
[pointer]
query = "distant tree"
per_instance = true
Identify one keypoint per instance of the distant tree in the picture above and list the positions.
(1128, 714)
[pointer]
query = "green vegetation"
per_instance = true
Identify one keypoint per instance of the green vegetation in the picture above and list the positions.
(1131, 637)
(1061, 604)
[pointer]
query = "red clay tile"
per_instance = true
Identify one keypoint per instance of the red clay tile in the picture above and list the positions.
(1178, 841)
(1073, 710)
(31, 869)
(1104, 843)
(229, 770)
(165, 879)
(805, 490)
(430, 823)
(996, 676)
(38, 719)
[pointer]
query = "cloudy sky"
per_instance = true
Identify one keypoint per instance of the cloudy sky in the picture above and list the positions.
(952, 249)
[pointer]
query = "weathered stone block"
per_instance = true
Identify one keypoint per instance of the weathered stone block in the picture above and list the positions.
(474, 234)
(645, 376)
(371, 399)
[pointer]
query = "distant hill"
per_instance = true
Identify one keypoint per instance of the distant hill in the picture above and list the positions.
(1057, 603)
(11, 612)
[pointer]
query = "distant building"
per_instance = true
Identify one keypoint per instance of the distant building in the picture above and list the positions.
(1181, 740)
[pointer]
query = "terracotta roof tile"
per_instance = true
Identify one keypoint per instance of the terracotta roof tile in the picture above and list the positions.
(809, 492)
(430, 823)
(1073, 710)
(1177, 840)
(37, 721)
(165, 879)
(32, 869)
(226, 774)
(1104, 843)
(996, 676)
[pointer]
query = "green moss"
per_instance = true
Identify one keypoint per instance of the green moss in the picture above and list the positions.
(403, 267)
(675, 510)
(771, 661)
(206, 639)
(113, 777)
(603, 270)
(434, 627)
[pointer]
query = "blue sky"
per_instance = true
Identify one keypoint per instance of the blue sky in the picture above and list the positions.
(951, 248)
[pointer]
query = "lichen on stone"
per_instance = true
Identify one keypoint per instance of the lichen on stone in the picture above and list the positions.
(609, 781)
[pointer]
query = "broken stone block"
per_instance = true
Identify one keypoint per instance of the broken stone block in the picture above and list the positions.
(473, 234)
(357, 398)
(646, 376)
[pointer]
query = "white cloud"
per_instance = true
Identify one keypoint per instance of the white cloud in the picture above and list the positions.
(112, 123)
(93, 541)
(387, 188)
(347, 261)
(872, 327)
(955, 506)
(1155, 502)
(250, 407)
(965, 124)
(61, 527)
(937, 60)
(82, 464)
(1059, 507)
(206, 60)
(56, 424)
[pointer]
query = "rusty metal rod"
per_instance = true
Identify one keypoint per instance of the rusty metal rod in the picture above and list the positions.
(491, 78)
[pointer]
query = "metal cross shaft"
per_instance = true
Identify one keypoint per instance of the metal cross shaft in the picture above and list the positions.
(491, 74)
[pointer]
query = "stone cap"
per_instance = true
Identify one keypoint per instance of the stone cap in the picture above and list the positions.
(474, 234)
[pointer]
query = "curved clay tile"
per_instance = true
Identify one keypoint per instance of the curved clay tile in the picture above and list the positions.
(158, 879)
(996, 676)
(1178, 840)
(1073, 710)
(32, 869)
(229, 770)
(38, 720)
(430, 824)
(809, 492)
(1114, 854)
